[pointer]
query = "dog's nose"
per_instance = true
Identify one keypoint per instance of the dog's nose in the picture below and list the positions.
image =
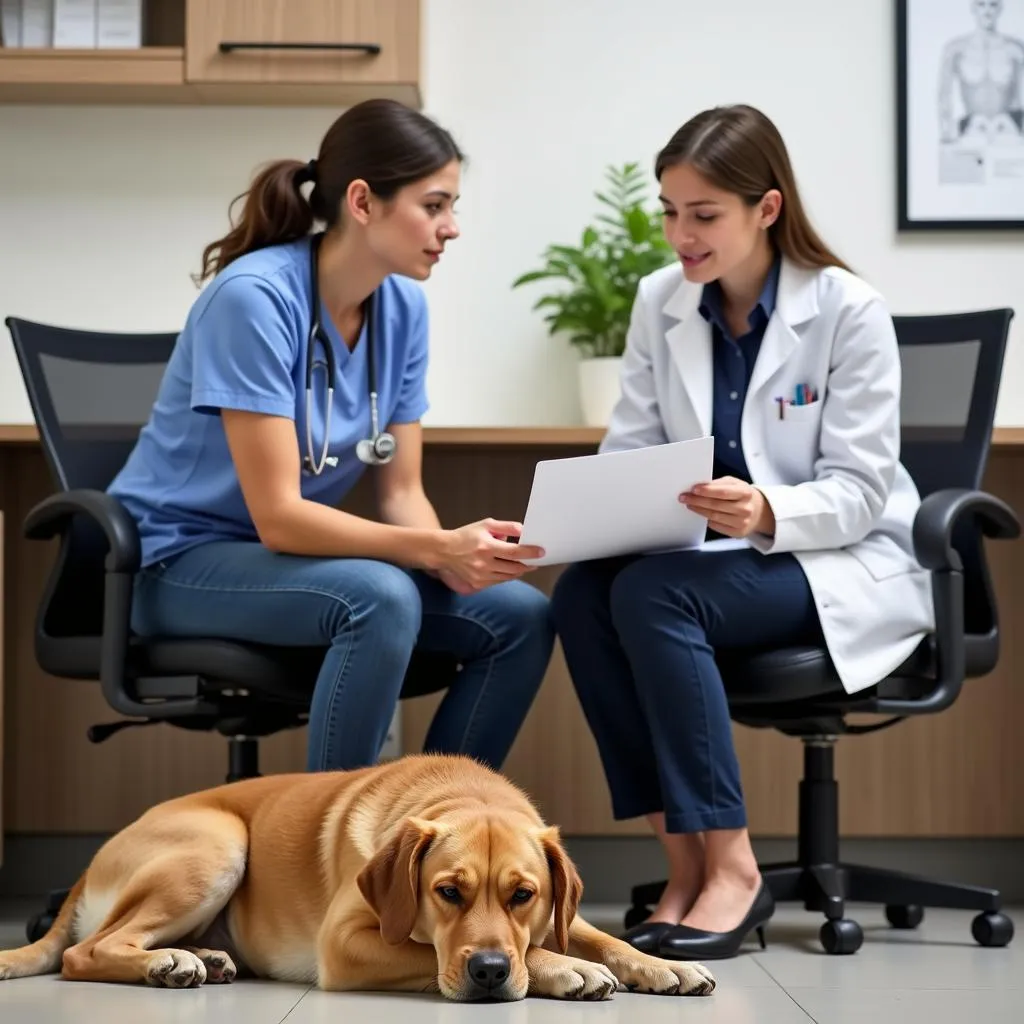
(488, 969)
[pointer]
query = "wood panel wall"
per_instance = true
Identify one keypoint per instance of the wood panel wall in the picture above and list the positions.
(955, 774)
(1, 687)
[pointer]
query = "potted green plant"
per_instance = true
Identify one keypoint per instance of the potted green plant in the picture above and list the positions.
(623, 245)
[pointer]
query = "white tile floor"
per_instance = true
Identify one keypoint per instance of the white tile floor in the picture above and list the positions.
(937, 971)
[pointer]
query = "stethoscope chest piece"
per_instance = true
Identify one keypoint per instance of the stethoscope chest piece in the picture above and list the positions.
(376, 451)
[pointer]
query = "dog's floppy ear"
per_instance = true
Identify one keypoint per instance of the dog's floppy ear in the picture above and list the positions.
(566, 884)
(390, 881)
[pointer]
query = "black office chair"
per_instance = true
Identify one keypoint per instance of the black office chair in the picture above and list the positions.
(951, 371)
(90, 394)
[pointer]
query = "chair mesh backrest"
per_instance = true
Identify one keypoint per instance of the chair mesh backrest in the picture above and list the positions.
(91, 393)
(951, 371)
(952, 366)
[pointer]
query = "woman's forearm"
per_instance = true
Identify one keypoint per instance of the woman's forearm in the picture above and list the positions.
(309, 528)
(409, 507)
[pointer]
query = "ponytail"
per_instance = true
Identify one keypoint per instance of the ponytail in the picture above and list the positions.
(382, 142)
(275, 211)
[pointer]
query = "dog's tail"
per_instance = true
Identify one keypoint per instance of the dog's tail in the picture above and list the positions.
(45, 955)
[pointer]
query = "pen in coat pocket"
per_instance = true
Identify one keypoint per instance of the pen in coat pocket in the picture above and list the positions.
(803, 394)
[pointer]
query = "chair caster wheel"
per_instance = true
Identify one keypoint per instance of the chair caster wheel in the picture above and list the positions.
(39, 925)
(841, 937)
(635, 915)
(909, 916)
(992, 929)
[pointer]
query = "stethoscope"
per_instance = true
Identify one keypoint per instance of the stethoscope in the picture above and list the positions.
(379, 447)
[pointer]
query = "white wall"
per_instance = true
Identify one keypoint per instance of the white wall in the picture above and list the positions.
(103, 215)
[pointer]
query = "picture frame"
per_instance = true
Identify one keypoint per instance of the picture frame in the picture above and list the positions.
(960, 115)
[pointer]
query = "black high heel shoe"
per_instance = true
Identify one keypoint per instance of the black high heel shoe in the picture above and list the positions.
(646, 937)
(685, 943)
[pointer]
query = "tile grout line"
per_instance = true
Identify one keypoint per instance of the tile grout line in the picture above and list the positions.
(295, 1005)
(803, 1009)
(757, 960)
(789, 995)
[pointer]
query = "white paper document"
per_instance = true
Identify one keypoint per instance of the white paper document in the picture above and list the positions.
(617, 503)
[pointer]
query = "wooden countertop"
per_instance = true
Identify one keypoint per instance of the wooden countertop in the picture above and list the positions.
(26, 433)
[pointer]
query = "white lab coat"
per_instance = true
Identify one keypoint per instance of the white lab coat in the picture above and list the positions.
(844, 504)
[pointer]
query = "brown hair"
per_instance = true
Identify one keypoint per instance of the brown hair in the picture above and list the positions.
(739, 150)
(384, 143)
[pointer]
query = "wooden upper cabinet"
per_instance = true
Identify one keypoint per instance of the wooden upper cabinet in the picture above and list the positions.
(266, 52)
(303, 42)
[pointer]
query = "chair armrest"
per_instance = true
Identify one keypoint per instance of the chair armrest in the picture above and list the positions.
(934, 528)
(53, 516)
(939, 515)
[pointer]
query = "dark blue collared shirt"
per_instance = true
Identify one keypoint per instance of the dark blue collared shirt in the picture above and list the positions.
(734, 360)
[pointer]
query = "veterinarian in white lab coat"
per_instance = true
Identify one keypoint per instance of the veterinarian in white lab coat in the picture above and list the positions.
(767, 341)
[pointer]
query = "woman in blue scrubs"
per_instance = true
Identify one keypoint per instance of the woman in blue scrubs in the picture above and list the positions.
(235, 484)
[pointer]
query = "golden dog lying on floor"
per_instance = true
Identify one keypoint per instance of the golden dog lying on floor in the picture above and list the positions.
(429, 873)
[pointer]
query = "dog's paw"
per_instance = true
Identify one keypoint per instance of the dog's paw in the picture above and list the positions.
(25, 963)
(565, 977)
(220, 968)
(642, 973)
(175, 968)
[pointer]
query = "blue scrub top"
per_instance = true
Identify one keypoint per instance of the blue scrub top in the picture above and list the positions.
(244, 347)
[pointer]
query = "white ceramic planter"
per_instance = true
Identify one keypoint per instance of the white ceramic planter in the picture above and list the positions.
(599, 388)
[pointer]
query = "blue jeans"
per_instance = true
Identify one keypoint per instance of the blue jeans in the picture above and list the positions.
(639, 636)
(369, 615)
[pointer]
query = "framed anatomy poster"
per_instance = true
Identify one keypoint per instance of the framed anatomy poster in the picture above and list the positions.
(960, 114)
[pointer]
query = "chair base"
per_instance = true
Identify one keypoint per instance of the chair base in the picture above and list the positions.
(826, 888)
(243, 763)
(820, 881)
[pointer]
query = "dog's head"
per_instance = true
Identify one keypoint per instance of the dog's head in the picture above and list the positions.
(480, 890)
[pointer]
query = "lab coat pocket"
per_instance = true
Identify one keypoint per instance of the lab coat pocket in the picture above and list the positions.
(802, 413)
(883, 560)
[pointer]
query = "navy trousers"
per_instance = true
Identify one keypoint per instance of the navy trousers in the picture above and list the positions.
(639, 636)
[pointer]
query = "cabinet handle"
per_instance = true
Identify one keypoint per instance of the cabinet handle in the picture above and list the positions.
(369, 48)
